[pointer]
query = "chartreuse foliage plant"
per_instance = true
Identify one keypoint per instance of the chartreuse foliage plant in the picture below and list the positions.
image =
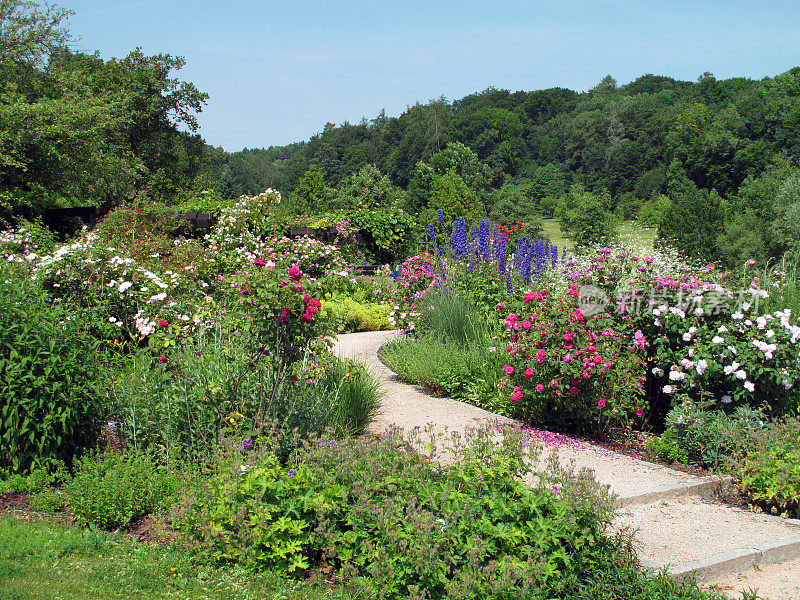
(395, 524)
(49, 376)
(347, 315)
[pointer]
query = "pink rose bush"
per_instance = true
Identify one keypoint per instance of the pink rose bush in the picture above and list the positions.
(418, 275)
(565, 363)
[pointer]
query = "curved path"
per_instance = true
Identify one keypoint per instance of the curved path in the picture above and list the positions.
(678, 523)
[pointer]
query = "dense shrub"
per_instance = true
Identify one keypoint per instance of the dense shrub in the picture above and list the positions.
(111, 490)
(769, 469)
(140, 229)
(699, 435)
(346, 315)
(49, 371)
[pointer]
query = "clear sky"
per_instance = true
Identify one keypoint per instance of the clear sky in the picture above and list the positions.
(277, 71)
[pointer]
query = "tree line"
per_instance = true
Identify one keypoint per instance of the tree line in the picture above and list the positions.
(712, 163)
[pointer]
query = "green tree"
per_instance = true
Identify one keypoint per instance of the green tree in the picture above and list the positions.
(586, 217)
(313, 192)
(693, 225)
(368, 188)
(450, 194)
(459, 159)
(30, 33)
(515, 202)
(786, 225)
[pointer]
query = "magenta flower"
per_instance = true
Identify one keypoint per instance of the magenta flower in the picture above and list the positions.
(294, 272)
(508, 370)
(539, 388)
(573, 390)
(163, 323)
(528, 373)
(639, 411)
(162, 359)
(260, 262)
(601, 403)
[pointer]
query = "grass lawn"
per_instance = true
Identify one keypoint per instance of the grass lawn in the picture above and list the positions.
(630, 232)
(41, 560)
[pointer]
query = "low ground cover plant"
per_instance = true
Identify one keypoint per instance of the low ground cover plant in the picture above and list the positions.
(397, 524)
(113, 489)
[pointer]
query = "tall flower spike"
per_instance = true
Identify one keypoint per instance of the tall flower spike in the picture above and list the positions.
(501, 255)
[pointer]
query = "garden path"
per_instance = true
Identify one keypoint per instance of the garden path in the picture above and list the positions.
(678, 522)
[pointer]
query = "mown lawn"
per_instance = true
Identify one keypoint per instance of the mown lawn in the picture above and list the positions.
(630, 232)
(41, 560)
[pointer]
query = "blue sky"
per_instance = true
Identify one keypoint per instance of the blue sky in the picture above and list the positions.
(277, 71)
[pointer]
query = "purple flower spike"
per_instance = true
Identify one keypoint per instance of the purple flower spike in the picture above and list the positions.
(247, 442)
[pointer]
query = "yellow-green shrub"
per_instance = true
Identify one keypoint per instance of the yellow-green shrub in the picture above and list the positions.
(348, 315)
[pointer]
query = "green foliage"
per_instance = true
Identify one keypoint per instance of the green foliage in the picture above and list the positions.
(140, 229)
(768, 468)
(390, 228)
(39, 479)
(111, 490)
(698, 435)
(313, 193)
(368, 188)
(349, 315)
(219, 384)
(30, 33)
(450, 194)
(397, 524)
(209, 202)
(512, 203)
(49, 369)
(261, 517)
(451, 316)
(586, 218)
(447, 369)
(693, 224)
(47, 501)
(463, 166)
(652, 212)
(40, 238)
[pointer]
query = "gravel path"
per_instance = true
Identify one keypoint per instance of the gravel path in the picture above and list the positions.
(675, 525)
